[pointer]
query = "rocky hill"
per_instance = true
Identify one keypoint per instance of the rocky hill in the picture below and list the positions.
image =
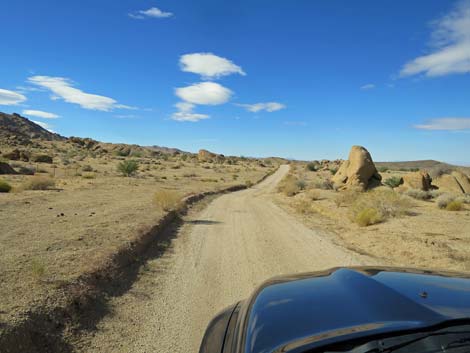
(15, 129)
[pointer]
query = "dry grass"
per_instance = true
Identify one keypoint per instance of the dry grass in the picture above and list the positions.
(289, 186)
(303, 206)
(377, 205)
(167, 200)
(455, 205)
(4, 186)
(39, 183)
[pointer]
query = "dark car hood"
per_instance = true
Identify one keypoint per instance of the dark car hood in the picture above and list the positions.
(290, 314)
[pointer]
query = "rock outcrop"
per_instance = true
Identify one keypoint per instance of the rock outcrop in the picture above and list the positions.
(205, 155)
(358, 171)
(5, 168)
(457, 183)
(420, 180)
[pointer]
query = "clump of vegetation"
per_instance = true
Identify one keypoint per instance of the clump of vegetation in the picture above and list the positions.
(450, 202)
(249, 183)
(289, 185)
(167, 200)
(323, 184)
(26, 170)
(418, 194)
(438, 170)
(368, 216)
(87, 168)
(39, 183)
(313, 195)
(302, 184)
(377, 205)
(128, 168)
(42, 158)
(4, 186)
(303, 206)
(38, 270)
(382, 169)
(346, 197)
(333, 170)
(455, 205)
(311, 167)
(89, 176)
(394, 181)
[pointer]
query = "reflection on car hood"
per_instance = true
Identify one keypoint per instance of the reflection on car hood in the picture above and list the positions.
(289, 314)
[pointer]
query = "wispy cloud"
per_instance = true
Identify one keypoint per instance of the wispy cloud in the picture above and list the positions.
(367, 87)
(126, 116)
(451, 42)
(44, 125)
(448, 124)
(10, 98)
(204, 93)
(62, 88)
(40, 114)
(258, 107)
(153, 12)
(185, 113)
(209, 66)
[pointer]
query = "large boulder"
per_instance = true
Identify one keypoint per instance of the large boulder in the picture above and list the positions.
(205, 155)
(5, 168)
(358, 171)
(448, 183)
(417, 180)
(463, 180)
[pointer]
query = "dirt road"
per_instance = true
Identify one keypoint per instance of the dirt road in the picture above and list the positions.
(220, 255)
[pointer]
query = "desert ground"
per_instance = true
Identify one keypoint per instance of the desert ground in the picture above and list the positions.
(123, 248)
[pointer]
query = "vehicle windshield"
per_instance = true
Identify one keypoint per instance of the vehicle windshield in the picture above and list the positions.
(450, 339)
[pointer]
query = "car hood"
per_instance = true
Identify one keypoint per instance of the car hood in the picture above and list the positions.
(294, 313)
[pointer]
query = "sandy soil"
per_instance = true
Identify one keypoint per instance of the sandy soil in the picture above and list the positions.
(219, 257)
(48, 238)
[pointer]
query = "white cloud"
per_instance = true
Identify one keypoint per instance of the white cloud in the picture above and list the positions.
(153, 12)
(209, 65)
(368, 86)
(44, 125)
(257, 107)
(40, 114)
(449, 124)
(451, 42)
(62, 88)
(205, 93)
(185, 113)
(10, 98)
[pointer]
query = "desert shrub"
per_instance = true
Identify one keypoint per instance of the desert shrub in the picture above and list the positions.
(289, 186)
(313, 195)
(382, 169)
(302, 184)
(311, 167)
(324, 184)
(435, 193)
(167, 200)
(377, 205)
(346, 197)
(367, 216)
(38, 270)
(26, 170)
(235, 176)
(249, 183)
(89, 176)
(394, 181)
(443, 200)
(418, 194)
(39, 183)
(303, 206)
(4, 186)
(455, 205)
(42, 158)
(333, 170)
(128, 168)
(189, 175)
(87, 168)
(465, 199)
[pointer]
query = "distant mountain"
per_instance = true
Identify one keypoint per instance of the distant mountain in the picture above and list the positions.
(17, 129)
(423, 164)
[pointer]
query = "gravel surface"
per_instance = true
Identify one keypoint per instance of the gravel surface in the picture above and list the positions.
(219, 256)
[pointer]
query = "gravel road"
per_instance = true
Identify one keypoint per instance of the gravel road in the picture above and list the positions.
(219, 256)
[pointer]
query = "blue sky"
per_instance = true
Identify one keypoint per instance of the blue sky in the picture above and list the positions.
(302, 79)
